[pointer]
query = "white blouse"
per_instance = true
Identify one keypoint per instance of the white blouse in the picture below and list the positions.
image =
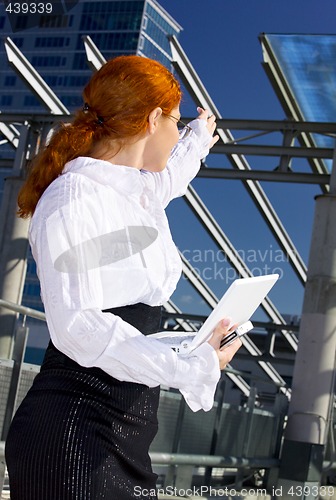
(101, 239)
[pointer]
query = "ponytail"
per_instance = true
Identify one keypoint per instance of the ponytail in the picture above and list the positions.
(118, 100)
(69, 142)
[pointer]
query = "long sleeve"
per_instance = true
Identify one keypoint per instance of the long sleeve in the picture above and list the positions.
(183, 164)
(93, 338)
(83, 269)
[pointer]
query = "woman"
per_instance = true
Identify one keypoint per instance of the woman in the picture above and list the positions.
(106, 263)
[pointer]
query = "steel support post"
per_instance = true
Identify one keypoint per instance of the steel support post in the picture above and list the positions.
(313, 377)
(18, 357)
(2, 465)
(13, 248)
(14, 231)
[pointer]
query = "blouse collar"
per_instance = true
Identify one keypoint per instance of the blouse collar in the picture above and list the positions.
(125, 179)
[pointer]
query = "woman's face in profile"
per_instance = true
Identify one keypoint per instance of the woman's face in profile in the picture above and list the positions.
(162, 141)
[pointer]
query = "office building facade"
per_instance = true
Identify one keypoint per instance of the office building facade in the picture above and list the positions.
(55, 47)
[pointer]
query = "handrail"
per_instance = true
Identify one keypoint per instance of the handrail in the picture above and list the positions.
(212, 460)
(33, 313)
(26, 311)
(218, 461)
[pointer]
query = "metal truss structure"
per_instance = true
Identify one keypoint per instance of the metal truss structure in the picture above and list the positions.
(25, 133)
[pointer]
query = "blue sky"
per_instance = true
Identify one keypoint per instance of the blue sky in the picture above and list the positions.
(221, 40)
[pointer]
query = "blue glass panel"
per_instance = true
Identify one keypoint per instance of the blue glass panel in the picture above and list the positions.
(308, 64)
(157, 28)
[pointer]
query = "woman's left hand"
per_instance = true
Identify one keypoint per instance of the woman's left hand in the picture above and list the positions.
(211, 124)
(225, 354)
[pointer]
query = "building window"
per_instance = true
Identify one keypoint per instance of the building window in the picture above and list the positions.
(73, 101)
(31, 266)
(80, 61)
(59, 21)
(32, 289)
(75, 80)
(21, 22)
(144, 22)
(6, 100)
(51, 80)
(67, 80)
(31, 101)
(10, 81)
(55, 41)
(117, 15)
(118, 40)
(18, 42)
(141, 42)
(43, 61)
(110, 21)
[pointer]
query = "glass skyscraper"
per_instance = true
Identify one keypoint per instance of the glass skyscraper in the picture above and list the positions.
(53, 44)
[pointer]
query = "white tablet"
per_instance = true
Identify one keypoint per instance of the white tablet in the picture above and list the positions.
(238, 303)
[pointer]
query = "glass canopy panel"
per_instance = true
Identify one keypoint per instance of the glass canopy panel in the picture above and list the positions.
(308, 63)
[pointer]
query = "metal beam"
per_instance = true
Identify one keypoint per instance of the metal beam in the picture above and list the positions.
(10, 132)
(278, 125)
(200, 95)
(263, 175)
(25, 311)
(33, 118)
(255, 150)
(233, 256)
(249, 345)
(235, 124)
(200, 318)
(33, 79)
(213, 461)
(94, 57)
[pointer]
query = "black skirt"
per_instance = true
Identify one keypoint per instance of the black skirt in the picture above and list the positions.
(80, 434)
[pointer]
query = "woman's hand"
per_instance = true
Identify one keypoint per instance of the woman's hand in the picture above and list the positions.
(203, 114)
(224, 354)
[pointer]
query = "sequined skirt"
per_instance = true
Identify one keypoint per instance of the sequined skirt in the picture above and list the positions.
(80, 434)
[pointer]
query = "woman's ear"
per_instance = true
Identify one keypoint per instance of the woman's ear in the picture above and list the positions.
(153, 120)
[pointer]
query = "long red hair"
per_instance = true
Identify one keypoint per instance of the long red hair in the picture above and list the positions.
(118, 99)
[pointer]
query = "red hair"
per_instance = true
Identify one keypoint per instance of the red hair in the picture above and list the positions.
(118, 99)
